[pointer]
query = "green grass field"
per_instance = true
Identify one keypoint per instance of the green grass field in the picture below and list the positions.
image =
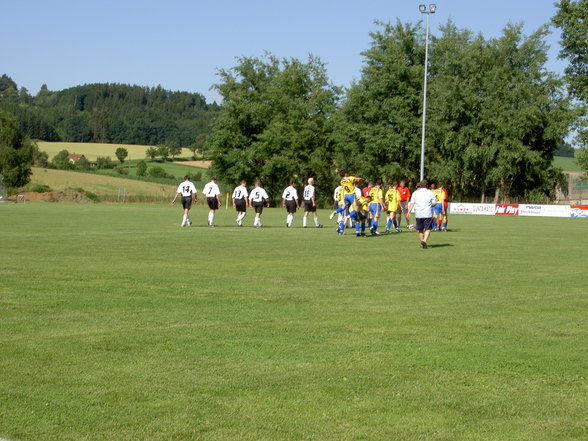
(566, 164)
(117, 324)
(92, 150)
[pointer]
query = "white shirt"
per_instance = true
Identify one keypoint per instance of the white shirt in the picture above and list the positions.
(290, 194)
(336, 194)
(308, 192)
(258, 194)
(240, 192)
(357, 192)
(211, 190)
(186, 188)
(423, 200)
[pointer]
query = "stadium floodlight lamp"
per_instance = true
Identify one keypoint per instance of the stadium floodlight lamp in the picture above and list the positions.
(423, 9)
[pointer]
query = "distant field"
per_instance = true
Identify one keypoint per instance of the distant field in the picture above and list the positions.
(99, 184)
(117, 324)
(566, 164)
(91, 151)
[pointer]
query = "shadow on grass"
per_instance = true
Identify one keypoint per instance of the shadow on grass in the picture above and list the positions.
(439, 245)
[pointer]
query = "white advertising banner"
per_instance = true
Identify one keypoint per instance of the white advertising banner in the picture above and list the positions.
(545, 210)
(467, 208)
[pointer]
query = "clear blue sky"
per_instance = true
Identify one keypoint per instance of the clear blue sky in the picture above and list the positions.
(180, 44)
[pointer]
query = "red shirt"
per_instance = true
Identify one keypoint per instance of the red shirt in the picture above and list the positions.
(404, 193)
(366, 191)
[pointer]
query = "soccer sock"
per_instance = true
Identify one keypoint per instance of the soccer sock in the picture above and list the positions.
(356, 227)
(388, 225)
(304, 221)
(210, 217)
(184, 219)
(362, 227)
(375, 225)
(342, 225)
(289, 220)
(316, 224)
(439, 224)
(395, 224)
(444, 225)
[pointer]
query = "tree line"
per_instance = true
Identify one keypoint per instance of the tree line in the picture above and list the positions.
(495, 116)
(110, 113)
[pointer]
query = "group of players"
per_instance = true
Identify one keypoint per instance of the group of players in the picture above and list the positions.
(367, 205)
(353, 206)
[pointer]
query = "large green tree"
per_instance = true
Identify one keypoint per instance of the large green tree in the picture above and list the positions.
(275, 123)
(378, 126)
(496, 114)
(572, 20)
(16, 152)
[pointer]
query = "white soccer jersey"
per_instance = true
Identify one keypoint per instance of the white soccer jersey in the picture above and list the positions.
(336, 194)
(308, 192)
(186, 188)
(211, 190)
(240, 192)
(290, 194)
(258, 194)
(357, 192)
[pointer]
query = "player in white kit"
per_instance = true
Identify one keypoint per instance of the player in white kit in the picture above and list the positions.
(188, 192)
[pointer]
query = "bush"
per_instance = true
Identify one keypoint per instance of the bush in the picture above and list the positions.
(141, 168)
(122, 170)
(159, 172)
(40, 188)
(92, 196)
(104, 162)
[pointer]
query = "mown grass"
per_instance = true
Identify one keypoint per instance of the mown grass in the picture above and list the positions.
(117, 324)
(566, 164)
(93, 150)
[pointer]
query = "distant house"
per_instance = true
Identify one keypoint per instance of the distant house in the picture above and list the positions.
(74, 158)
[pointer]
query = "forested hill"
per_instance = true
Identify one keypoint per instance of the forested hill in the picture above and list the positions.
(114, 113)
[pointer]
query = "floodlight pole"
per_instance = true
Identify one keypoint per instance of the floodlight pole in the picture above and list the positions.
(431, 10)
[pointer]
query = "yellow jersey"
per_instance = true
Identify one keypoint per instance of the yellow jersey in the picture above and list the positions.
(362, 205)
(348, 184)
(439, 195)
(392, 199)
(376, 195)
(341, 196)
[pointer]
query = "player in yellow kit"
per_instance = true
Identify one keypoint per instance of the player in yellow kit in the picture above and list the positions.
(376, 206)
(392, 199)
(348, 188)
(360, 214)
(439, 209)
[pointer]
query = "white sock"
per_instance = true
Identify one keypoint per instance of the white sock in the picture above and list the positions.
(184, 219)
(316, 221)
(210, 218)
(289, 220)
(304, 221)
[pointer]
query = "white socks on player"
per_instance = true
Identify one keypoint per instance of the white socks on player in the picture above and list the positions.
(257, 221)
(304, 221)
(316, 224)
(289, 220)
(185, 220)
(210, 218)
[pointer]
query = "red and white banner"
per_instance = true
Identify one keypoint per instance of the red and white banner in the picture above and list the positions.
(579, 211)
(507, 209)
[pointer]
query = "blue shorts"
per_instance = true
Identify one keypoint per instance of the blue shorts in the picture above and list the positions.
(438, 209)
(349, 199)
(357, 216)
(375, 209)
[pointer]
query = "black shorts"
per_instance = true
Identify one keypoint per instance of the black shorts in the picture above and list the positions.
(258, 207)
(308, 206)
(212, 203)
(187, 202)
(424, 223)
(291, 206)
(403, 207)
(240, 205)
